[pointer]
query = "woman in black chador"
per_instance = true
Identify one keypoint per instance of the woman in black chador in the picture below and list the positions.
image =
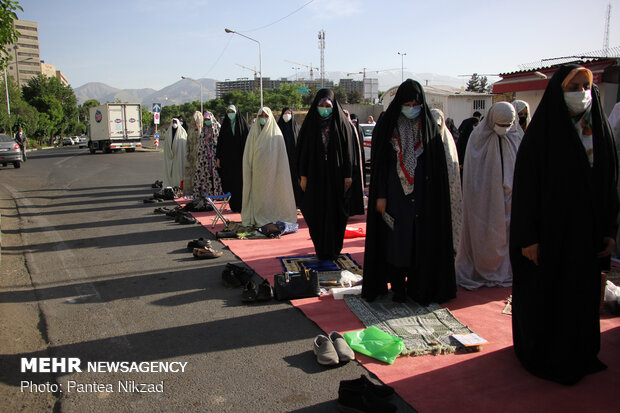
(290, 130)
(409, 228)
(562, 231)
(324, 162)
(229, 155)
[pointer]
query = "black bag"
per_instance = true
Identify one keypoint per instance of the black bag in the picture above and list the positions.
(293, 285)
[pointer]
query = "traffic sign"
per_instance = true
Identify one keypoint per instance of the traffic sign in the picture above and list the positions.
(156, 108)
(303, 90)
(156, 118)
(156, 135)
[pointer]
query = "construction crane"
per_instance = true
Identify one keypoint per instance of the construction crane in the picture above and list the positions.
(306, 66)
(250, 69)
(364, 71)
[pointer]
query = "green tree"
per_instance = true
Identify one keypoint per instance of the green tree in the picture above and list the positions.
(49, 96)
(354, 96)
(340, 94)
(22, 114)
(473, 85)
(8, 34)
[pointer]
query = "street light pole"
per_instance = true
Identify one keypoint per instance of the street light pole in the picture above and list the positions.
(260, 61)
(402, 75)
(195, 81)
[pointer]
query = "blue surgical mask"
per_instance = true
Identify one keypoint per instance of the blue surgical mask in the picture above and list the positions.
(208, 122)
(324, 112)
(262, 121)
(411, 112)
(232, 116)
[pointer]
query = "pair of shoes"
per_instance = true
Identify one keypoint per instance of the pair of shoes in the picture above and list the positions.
(198, 243)
(206, 252)
(333, 349)
(235, 276)
(185, 218)
(363, 384)
(161, 210)
(362, 399)
(172, 213)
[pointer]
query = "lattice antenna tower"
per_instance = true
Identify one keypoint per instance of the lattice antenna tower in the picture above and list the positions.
(606, 38)
(322, 48)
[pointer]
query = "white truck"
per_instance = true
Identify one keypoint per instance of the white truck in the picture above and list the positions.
(115, 126)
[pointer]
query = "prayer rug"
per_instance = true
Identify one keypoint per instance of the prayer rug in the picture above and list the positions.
(327, 269)
(424, 330)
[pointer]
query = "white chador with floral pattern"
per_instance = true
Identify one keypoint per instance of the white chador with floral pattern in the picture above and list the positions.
(174, 154)
(482, 258)
(267, 189)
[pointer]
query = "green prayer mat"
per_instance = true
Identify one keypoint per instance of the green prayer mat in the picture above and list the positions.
(424, 330)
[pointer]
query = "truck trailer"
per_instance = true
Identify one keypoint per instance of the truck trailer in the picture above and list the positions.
(115, 126)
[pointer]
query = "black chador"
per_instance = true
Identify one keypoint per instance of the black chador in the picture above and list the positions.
(324, 158)
(290, 131)
(230, 146)
(567, 207)
(408, 169)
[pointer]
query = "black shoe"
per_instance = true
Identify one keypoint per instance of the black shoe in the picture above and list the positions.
(382, 391)
(226, 234)
(198, 243)
(362, 401)
(250, 292)
(185, 218)
(265, 292)
(236, 276)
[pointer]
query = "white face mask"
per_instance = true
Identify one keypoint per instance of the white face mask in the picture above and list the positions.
(287, 117)
(501, 130)
(578, 102)
(174, 126)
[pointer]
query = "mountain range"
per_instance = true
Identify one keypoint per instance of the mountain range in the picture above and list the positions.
(186, 90)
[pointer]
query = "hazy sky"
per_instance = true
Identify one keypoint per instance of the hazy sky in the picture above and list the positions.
(151, 43)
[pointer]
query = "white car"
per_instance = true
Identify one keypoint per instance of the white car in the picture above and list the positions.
(81, 141)
(367, 128)
(67, 141)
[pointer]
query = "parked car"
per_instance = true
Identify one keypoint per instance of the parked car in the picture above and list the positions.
(367, 128)
(67, 141)
(10, 151)
(81, 141)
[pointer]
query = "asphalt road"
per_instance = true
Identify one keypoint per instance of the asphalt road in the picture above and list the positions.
(114, 282)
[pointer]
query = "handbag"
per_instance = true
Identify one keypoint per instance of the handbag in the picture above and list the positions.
(293, 285)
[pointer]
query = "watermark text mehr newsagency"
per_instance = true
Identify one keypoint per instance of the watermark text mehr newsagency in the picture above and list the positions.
(74, 364)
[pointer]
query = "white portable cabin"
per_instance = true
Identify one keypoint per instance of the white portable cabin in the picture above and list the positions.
(454, 102)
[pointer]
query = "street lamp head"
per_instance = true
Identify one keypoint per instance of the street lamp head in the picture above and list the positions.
(183, 77)
(229, 31)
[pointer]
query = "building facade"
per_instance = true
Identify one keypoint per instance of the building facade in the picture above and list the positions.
(248, 85)
(25, 63)
(530, 85)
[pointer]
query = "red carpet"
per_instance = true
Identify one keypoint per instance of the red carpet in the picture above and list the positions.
(489, 381)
